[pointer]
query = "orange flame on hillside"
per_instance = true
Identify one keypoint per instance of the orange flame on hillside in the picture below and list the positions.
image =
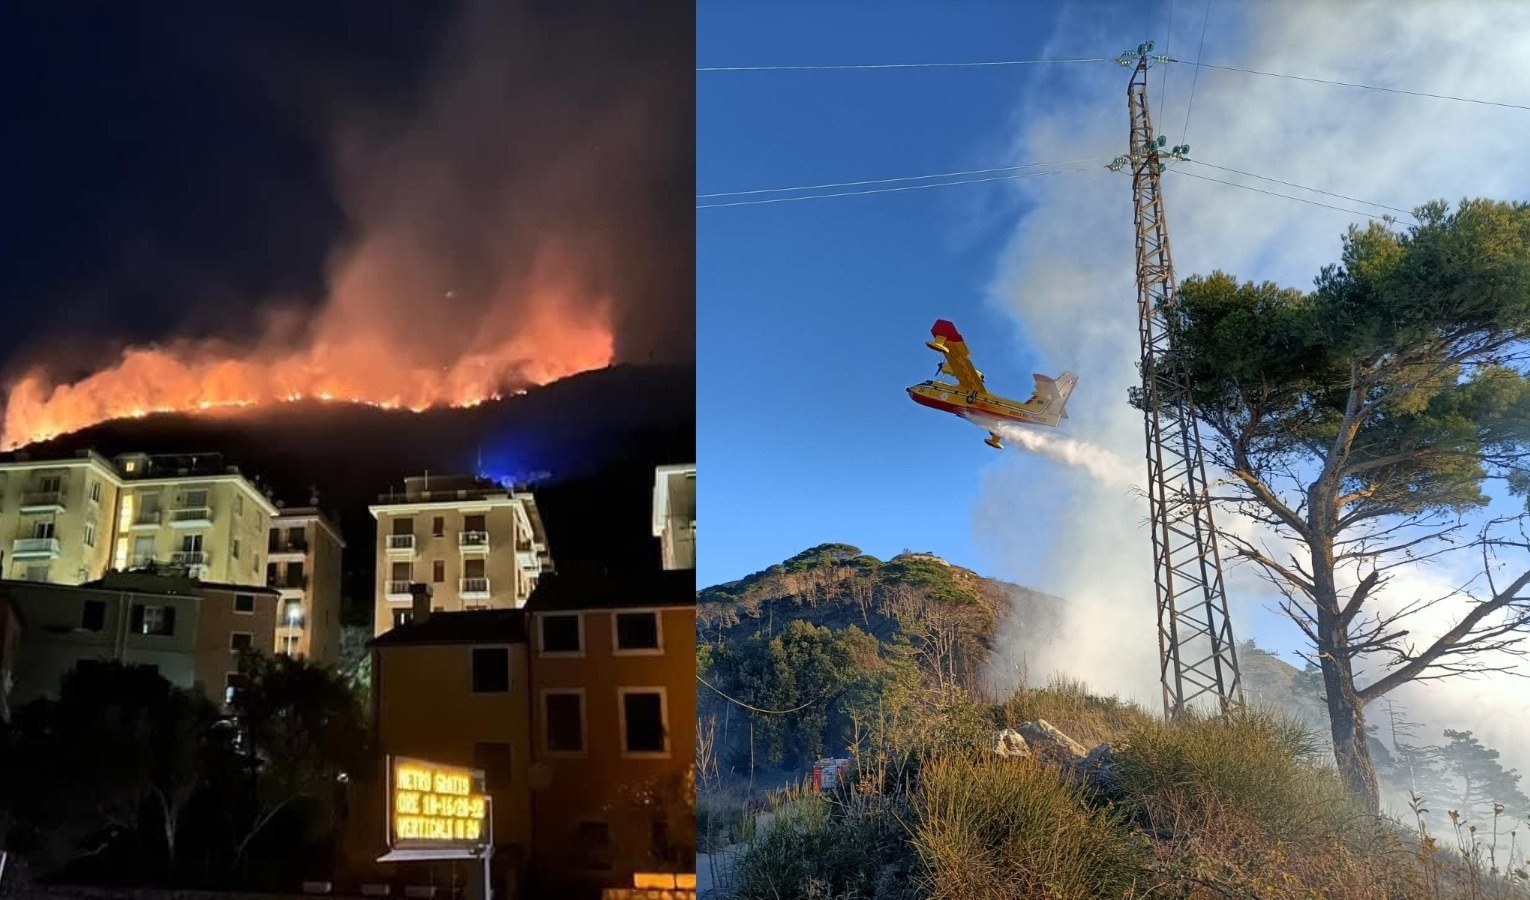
(359, 352)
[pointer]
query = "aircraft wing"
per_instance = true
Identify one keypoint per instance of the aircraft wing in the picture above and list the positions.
(948, 342)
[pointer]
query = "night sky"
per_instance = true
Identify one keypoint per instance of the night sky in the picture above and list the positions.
(189, 170)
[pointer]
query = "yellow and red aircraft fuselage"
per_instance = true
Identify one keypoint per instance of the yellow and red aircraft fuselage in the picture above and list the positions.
(971, 400)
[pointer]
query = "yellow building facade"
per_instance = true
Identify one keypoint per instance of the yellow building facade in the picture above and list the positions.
(613, 705)
(476, 544)
(69, 521)
(452, 689)
(304, 566)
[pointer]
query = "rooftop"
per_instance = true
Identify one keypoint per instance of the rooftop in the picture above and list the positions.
(444, 489)
(472, 627)
(584, 589)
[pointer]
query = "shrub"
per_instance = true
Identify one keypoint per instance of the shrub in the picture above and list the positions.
(990, 827)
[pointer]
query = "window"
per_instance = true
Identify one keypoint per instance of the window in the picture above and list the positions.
(474, 523)
(155, 620)
(636, 631)
(93, 616)
(231, 685)
(51, 484)
(564, 712)
(148, 508)
(191, 543)
(42, 530)
(238, 504)
(494, 760)
(403, 526)
(95, 492)
(37, 573)
(595, 842)
(491, 670)
(194, 499)
(562, 633)
(438, 526)
(295, 574)
(438, 571)
(241, 640)
(271, 575)
(143, 551)
(642, 712)
(402, 617)
(235, 550)
(403, 571)
(90, 534)
(244, 603)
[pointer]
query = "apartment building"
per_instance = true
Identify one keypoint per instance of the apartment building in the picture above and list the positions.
(189, 631)
(613, 710)
(674, 514)
(71, 520)
(450, 688)
(477, 544)
(304, 566)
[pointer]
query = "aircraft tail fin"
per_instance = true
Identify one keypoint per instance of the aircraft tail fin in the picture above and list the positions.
(1054, 393)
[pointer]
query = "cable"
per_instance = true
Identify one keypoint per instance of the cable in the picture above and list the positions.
(1163, 85)
(838, 184)
(773, 712)
(1199, 53)
(1368, 87)
(1301, 186)
(945, 65)
(1273, 194)
(911, 187)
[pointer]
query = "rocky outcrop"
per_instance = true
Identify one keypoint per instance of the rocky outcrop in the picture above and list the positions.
(1096, 769)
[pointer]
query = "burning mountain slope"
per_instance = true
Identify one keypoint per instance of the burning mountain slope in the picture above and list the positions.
(597, 435)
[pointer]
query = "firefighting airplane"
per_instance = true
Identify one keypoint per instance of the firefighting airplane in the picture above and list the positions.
(969, 399)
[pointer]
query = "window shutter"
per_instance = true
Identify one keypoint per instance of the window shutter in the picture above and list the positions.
(138, 618)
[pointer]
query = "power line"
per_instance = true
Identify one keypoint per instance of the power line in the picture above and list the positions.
(839, 184)
(1302, 187)
(773, 712)
(1163, 84)
(1199, 53)
(1274, 194)
(1368, 87)
(937, 65)
(893, 190)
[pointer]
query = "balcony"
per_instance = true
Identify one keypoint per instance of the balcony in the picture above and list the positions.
(42, 501)
(288, 582)
(474, 589)
(528, 560)
(473, 541)
(287, 548)
(401, 544)
(188, 558)
(35, 548)
(292, 617)
(399, 590)
(190, 517)
(148, 518)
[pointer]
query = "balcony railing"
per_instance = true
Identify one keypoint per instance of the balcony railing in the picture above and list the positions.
(189, 558)
(149, 517)
(399, 590)
(35, 547)
(292, 616)
(287, 547)
(473, 540)
(474, 587)
(403, 542)
(42, 498)
(188, 514)
(288, 582)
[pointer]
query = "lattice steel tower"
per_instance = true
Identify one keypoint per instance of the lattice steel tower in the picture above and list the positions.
(1197, 659)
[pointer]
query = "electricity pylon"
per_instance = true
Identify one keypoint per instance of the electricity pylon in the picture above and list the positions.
(1197, 658)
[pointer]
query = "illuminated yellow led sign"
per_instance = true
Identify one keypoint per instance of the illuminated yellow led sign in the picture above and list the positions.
(434, 805)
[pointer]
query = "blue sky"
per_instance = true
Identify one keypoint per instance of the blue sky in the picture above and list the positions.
(812, 315)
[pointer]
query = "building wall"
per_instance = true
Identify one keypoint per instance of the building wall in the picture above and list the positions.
(76, 561)
(55, 639)
(318, 636)
(237, 515)
(508, 585)
(220, 620)
(578, 788)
